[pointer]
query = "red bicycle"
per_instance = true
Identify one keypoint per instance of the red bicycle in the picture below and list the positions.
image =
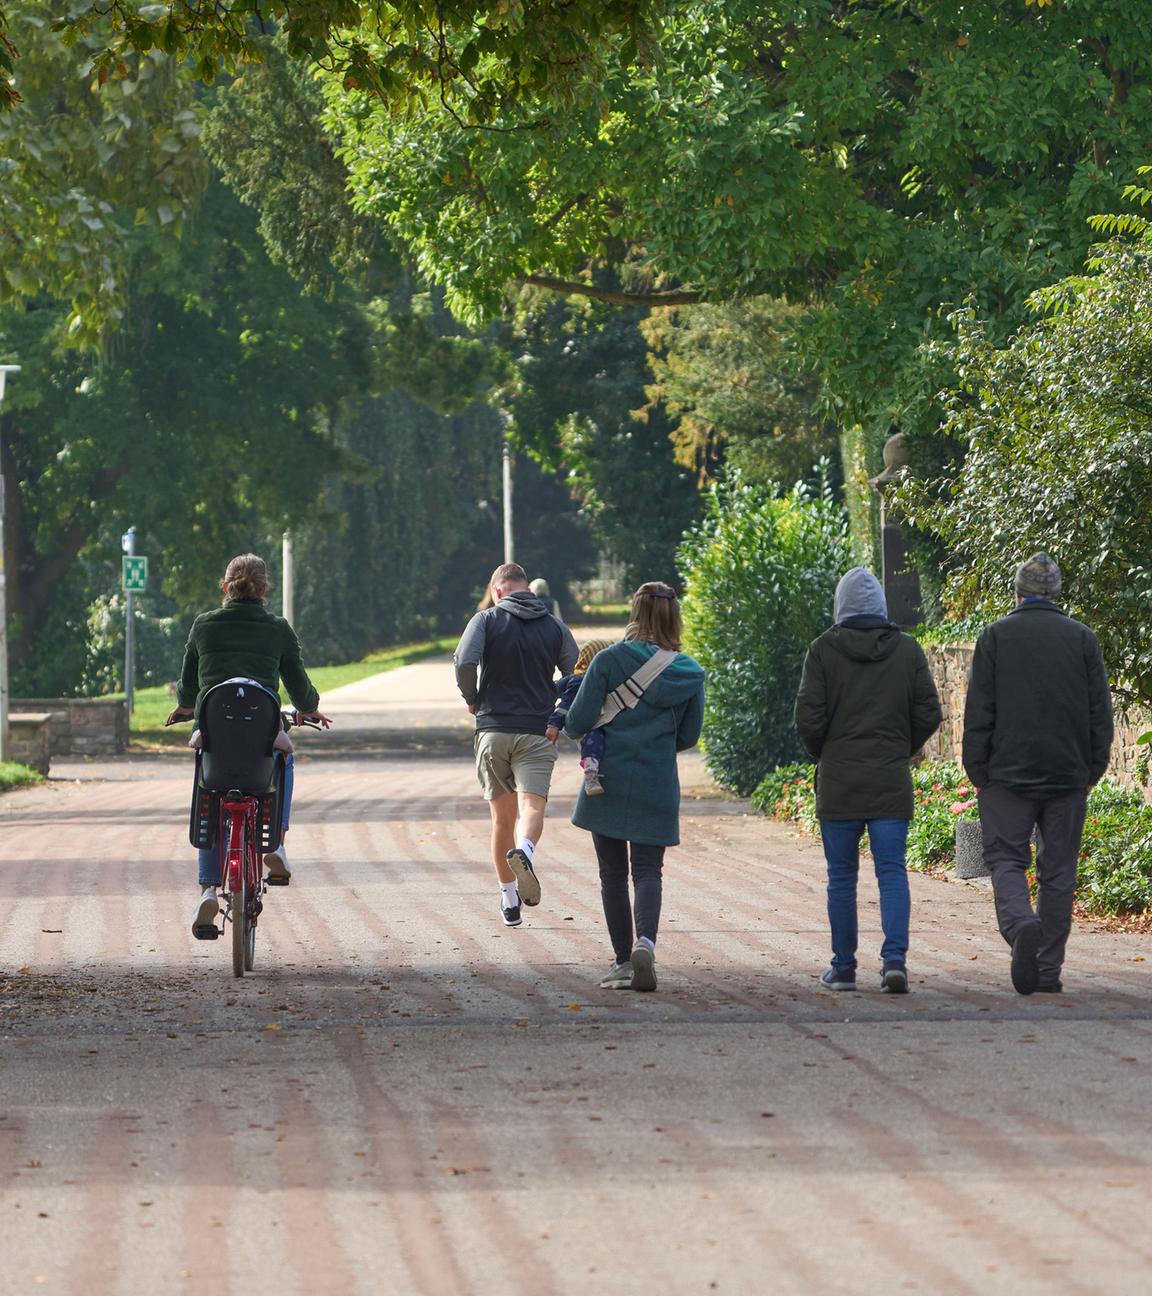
(237, 803)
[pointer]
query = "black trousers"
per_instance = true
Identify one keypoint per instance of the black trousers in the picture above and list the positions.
(1007, 819)
(647, 883)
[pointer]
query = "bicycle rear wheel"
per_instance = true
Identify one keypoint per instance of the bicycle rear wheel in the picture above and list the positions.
(240, 927)
(249, 941)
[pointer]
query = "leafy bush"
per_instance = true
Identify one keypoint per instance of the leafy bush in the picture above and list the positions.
(788, 794)
(1115, 870)
(760, 570)
(1059, 457)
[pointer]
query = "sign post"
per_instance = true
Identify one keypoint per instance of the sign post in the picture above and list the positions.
(5, 747)
(134, 579)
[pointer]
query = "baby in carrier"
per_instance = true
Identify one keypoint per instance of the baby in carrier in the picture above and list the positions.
(592, 744)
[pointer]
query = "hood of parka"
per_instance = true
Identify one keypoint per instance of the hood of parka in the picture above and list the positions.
(859, 594)
(524, 605)
(864, 643)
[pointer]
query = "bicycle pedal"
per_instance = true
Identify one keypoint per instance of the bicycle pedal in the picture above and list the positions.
(277, 881)
(207, 932)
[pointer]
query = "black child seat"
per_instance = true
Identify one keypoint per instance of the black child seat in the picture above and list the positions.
(239, 721)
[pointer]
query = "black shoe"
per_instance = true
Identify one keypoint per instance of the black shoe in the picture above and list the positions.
(511, 915)
(894, 979)
(526, 881)
(1025, 948)
(1050, 987)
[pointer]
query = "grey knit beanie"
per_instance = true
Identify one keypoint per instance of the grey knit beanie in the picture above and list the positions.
(1038, 577)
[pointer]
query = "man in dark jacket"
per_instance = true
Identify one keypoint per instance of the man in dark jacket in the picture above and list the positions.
(866, 706)
(506, 665)
(1037, 733)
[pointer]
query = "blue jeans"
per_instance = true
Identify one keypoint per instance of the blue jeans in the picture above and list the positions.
(210, 859)
(889, 839)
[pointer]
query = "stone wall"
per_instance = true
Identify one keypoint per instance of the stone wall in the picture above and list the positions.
(81, 726)
(30, 739)
(950, 667)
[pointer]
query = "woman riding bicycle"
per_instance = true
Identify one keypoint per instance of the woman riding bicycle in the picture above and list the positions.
(243, 638)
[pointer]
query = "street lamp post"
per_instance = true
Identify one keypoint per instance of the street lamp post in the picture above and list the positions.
(509, 545)
(5, 748)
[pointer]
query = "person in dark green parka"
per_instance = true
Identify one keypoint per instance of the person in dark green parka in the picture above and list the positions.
(242, 639)
(638, 814)
(866, 706)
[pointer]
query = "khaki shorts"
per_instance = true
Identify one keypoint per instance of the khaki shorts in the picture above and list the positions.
(511, 762)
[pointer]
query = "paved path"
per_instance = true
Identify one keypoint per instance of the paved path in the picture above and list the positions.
(407, 1098)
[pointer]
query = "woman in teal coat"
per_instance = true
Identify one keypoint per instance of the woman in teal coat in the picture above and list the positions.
(638, 815)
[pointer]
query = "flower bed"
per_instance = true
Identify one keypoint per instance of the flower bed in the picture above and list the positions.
(1115, 875)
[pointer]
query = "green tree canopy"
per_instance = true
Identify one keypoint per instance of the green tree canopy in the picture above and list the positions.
(82, 172)
(472, 51)
(878, 159)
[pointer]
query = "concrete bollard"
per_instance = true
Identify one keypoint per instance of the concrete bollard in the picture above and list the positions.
(970, 849)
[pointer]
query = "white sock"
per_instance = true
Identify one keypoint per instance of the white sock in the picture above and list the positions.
(509, 895)
(527, 847)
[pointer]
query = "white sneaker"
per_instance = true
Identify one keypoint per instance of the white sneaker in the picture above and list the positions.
(276, 862)
(206, 911)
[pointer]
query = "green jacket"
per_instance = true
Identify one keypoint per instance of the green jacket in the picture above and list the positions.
(866, 705)
(244, 638)
(641, 801)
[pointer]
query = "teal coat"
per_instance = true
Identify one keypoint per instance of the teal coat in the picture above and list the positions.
(244, 638)
(641, 801)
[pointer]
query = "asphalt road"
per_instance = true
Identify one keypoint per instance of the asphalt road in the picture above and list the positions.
(407, 1098)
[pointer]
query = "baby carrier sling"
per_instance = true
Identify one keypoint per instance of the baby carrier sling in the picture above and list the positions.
(625, 696)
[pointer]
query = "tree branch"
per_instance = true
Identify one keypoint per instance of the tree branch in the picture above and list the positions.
(572, 287)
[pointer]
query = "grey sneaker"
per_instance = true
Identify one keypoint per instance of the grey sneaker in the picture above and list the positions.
(894, 979)
(527, 882)
(643, 967)
(204, 921)
(276, 862)
(592, 784)
(619, 977)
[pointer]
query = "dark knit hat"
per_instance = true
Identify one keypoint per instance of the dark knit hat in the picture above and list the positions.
(1038, 577)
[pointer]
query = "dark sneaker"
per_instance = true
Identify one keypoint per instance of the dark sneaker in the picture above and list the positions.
(511, 915)
(838, 979)
(592, 784)
(1025, 948)
(894, 979)
(643, 967)
(1050, 987)
(204, 921)
(527, 883)
(619, 977)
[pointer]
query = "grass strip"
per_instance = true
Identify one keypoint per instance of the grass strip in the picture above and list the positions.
(152, 705)
(13, 775)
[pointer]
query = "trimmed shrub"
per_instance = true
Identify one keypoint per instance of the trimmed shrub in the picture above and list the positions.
(760, 570)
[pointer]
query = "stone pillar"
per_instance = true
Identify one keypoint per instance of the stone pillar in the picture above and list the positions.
(899, 577)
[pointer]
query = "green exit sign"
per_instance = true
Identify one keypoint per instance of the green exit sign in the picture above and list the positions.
(135, 574)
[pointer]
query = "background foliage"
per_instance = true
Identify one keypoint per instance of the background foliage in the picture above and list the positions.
(1057, 429)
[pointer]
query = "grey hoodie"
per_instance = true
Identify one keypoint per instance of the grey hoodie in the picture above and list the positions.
(859, 594)
(507, 660)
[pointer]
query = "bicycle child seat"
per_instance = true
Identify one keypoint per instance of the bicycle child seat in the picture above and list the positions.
(239, 721)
